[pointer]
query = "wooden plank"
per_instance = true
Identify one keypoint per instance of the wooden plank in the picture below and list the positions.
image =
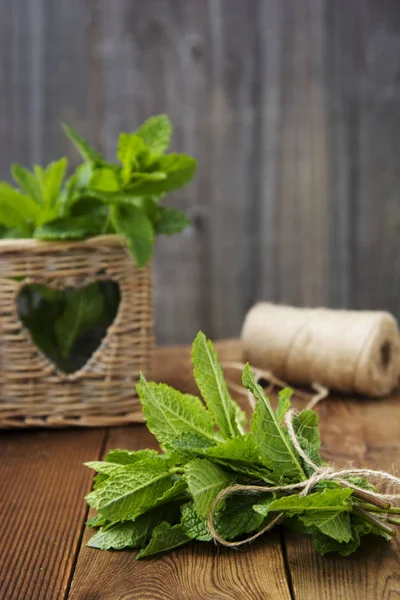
(45, 79)
(153, 64)
(42, 513)
(365, 433)
(378, 210)
(198, 571)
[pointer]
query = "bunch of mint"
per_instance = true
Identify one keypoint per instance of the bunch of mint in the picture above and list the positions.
(156, 502)
(101, 197)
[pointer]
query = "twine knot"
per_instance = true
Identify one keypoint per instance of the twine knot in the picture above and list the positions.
(319, 473)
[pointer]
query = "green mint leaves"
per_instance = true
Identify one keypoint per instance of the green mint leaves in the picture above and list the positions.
(158, 502)
(102, 197)
(211, 383)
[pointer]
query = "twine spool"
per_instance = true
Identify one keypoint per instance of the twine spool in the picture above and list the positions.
(350, 351)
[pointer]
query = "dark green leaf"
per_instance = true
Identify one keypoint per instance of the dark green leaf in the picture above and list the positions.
(205, 480)
(165, 537)
(179, 170)
(84, 307)
(194, 526)
(135, 226)
(170, 221)
(72, 228)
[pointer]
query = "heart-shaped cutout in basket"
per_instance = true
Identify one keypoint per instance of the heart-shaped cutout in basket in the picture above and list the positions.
(68, 325)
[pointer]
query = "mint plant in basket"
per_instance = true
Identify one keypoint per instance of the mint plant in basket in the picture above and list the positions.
(75, 278)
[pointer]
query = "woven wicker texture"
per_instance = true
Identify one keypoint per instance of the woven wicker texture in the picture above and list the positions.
(33, 392)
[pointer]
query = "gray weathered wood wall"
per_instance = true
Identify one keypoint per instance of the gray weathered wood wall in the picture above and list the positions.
(292, 108)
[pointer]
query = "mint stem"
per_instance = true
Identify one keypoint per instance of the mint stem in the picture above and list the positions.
(374, 520)
(174, 470)
(393, 510)
(367, 497)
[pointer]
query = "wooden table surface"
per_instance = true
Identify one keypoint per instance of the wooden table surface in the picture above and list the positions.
(43, 551)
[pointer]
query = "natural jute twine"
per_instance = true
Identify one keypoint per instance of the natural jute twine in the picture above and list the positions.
(33, 391)
(320, 473)
(349, 351)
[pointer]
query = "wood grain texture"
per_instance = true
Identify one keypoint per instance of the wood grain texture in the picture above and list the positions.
(291, 108)
(41, 507)
(43, 513)
(365, 433)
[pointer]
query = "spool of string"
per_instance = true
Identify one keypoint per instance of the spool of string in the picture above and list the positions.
(350, 351)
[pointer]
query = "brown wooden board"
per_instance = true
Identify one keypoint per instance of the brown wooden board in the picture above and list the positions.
(41, 510)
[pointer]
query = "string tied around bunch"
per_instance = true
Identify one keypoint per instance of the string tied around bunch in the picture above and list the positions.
(319, 473)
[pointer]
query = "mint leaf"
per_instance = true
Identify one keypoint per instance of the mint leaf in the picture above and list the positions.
(16, 209)
(132, 534)
(130, 149)
(336, 499)
(108, 468)
(136, 227)
(335, 524)
(133, 490)
(170, 221)
(239, 449)
(156, 133)
(27, 182)
(306, 425)
(179, 169)
(71, 228)
(324, 544)
(237, 517)
(169, 413)
(328, 511)
(51, 181)
(105, 179)
(185, 447)
(129, 457)
(85, 149)
(205, 480)
(165, 537)
(118, 536)
(96, 521)
(84, 308)
(284, 397)
(211, 383)
(194, 526)
(275, 448)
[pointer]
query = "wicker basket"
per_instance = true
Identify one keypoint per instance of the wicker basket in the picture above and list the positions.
(33, 392)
